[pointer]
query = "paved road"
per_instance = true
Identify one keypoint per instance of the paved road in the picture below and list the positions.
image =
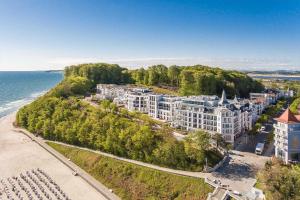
(239, 170)
(247, 143)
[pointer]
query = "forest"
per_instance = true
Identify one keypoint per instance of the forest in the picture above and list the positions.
(187, 80)
(197, 80)
(100, 73)
(61, 115)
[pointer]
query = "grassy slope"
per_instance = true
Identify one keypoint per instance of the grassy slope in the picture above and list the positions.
(130, 181)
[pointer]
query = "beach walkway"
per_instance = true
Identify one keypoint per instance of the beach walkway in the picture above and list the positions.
(19, 153)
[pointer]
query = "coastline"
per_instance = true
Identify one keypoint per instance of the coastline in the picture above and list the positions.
(274, 75)
(19, 154)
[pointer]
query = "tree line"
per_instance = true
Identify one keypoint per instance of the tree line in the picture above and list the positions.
(197, 80)
(188, 80)
(61, 115)
(100, 73)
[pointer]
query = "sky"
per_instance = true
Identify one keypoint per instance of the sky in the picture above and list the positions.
(233, 34)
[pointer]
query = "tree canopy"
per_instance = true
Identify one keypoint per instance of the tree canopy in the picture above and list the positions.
(61, 115)
(280, 181)
(100, 73)
(197, 80)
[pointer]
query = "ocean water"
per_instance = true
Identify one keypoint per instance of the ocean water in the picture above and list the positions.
(288, 78)
(20, 88)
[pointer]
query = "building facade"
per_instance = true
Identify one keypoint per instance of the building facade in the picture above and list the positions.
(230, 118)
(287, 137)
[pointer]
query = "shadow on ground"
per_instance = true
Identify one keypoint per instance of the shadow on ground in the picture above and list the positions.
(235, 170)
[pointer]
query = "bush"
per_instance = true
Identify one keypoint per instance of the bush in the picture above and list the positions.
(109, 129)
(279, 181)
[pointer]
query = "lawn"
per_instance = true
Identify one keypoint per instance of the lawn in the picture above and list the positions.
(131, 181)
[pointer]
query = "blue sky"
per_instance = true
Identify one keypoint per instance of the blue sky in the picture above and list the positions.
(237, 34)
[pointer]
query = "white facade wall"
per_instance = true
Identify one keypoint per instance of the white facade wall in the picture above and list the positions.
(287, 141)
(137, 102)
(209, 113)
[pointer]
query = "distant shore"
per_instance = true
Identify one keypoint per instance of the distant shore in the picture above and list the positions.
(274, 75)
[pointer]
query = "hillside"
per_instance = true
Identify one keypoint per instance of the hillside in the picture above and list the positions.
(61, 115)
(135, 182)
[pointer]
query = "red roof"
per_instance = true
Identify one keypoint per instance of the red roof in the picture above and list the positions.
(288, 117)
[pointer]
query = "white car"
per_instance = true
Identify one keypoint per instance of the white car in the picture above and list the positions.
(236, 193)
(263, 128)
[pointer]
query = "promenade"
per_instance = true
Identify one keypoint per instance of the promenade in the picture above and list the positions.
(237, 173)
(18, 154)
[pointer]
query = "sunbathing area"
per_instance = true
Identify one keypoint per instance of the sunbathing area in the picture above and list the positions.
(33, 184)
(27, 171)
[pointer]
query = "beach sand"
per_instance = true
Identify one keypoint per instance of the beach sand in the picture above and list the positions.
(19, 154)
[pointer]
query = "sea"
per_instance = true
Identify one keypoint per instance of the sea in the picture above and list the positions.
(20, 88)
(288, 78)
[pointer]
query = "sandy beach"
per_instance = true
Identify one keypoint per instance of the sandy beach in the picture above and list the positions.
(19, 154)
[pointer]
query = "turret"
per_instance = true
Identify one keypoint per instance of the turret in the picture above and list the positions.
(223, 100)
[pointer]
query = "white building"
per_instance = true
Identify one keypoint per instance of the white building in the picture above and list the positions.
(110, 91)
(210, 113)
(163, 107)
(138, 101)
(268, 97)
(287, 137)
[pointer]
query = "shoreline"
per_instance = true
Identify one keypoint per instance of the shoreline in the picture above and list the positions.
(275, 75)
(19, 153)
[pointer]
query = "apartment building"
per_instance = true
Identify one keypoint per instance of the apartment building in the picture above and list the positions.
(267, 97)
(110, 91)
(138, 100)
(287, 137)
(163, 107)
(209, 113)
(230, 118)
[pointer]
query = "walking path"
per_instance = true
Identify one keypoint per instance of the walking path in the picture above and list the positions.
(81, 173)
(237, 173)
(19, 154)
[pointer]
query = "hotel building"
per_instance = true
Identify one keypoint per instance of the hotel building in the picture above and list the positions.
(287, 137)
(230, 118)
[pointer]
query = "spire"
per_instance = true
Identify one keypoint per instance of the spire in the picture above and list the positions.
(288, 117)
(235, 100)
(223, 99)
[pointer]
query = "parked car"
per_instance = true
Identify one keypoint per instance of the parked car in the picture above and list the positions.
(259, 148)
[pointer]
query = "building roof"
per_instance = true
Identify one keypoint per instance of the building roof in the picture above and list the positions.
(235, 100)
(288, 117)
(223, 99)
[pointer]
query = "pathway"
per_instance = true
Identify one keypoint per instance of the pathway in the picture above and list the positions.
(81, 173)
(236, 174)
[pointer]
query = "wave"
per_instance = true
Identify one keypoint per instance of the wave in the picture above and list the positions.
(12, 106)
